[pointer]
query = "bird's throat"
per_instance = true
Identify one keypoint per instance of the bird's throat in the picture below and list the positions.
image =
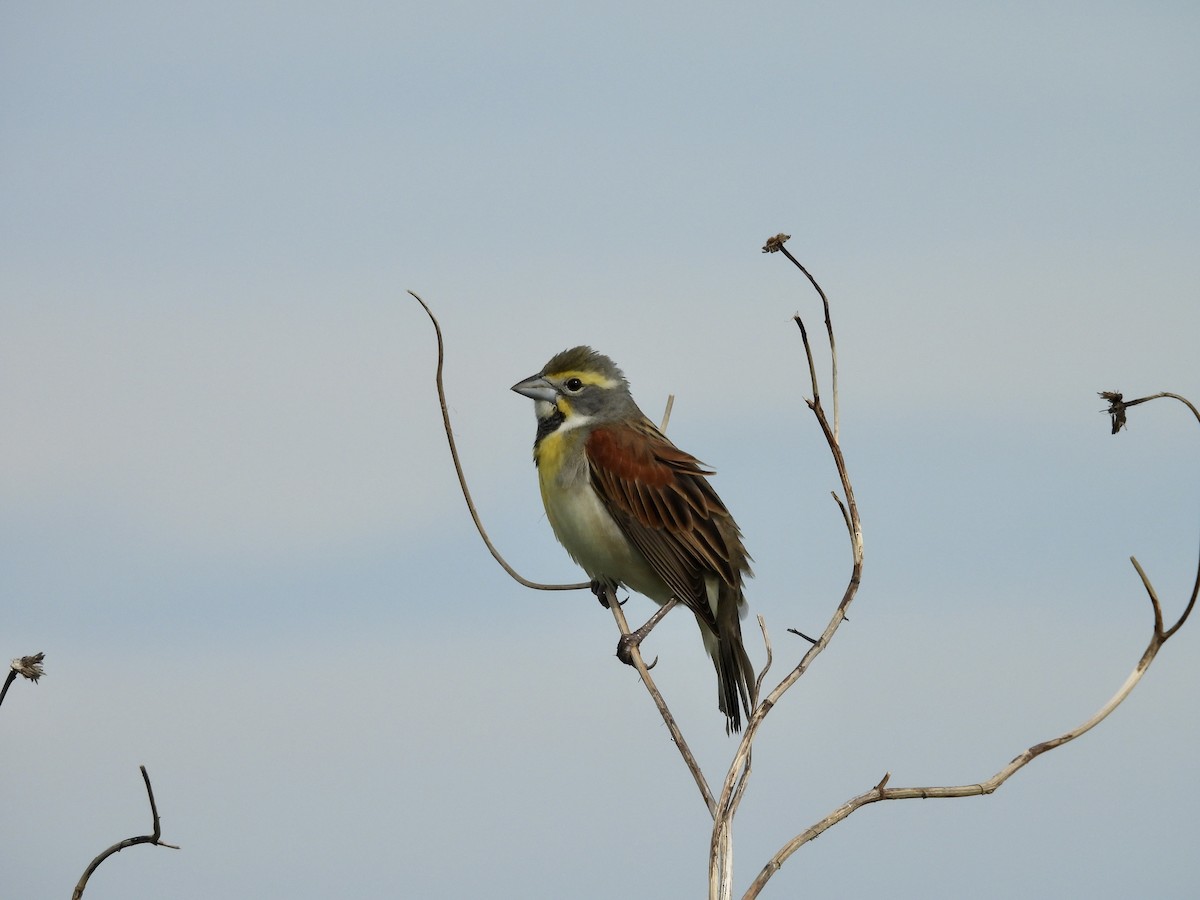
(546, 427)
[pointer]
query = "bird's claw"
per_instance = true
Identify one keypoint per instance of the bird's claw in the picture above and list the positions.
(602, 594)
(605, 594)
(627, 644)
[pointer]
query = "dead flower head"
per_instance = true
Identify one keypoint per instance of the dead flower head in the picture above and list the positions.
(29, 666)
(1116, 408)
(775, 244)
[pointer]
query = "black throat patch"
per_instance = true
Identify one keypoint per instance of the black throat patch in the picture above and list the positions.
(548, 425)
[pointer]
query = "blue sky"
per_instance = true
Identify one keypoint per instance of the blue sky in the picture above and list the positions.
(229, 519)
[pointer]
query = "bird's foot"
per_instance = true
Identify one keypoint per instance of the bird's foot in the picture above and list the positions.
(605, 593)
(630, 642)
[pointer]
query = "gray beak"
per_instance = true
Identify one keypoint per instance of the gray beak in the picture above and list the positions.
(536, 388)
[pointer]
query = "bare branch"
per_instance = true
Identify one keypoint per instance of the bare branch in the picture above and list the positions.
(1158, 617)
(882, 792)
(845, 515)
(722, 831)
(833, 365)
(726, 804)
(812, 366)
(758, 682)
(462, 479)
(798, 633)
(153, 838)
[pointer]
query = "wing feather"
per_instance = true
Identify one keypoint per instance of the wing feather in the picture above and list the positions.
(661, 499)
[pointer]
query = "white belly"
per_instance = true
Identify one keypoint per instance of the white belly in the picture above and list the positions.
(584, 527)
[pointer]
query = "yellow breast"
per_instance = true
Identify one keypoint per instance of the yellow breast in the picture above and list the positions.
(582, 523)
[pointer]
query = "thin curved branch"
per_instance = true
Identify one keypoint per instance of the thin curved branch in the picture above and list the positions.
(152, 838)
(1153, 594)
(758, 682)
(618, 613)
(462, 479)
(1117, 405)
(882, 792)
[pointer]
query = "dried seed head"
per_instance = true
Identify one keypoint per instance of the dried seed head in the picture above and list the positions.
(29, 666)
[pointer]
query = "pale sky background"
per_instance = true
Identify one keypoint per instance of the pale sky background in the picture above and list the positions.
(229, 519)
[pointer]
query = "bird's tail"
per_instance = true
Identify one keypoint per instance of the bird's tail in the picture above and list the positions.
(735, 674)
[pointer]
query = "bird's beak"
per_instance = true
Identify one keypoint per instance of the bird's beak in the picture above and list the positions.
(536, 388)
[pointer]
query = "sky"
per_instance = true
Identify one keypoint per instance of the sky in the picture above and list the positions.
(229, 518)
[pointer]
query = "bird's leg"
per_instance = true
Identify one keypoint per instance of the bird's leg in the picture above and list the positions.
(628, 642)
(605, 593)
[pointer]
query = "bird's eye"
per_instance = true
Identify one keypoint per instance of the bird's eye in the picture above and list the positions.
(574, 385)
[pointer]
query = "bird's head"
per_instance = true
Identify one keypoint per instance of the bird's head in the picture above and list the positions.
(581, 386)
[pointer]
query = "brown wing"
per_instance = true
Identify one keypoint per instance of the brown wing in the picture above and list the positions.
(662, 501)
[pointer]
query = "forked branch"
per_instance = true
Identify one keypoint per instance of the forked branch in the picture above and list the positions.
(153, 838)
(734, 786)
(1160, 634)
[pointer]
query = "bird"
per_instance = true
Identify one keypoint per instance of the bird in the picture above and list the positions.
(634, 510)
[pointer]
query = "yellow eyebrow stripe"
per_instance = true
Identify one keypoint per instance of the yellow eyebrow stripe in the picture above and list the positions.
(593, 378)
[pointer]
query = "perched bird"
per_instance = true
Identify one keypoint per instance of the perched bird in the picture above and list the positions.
(633, 509)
